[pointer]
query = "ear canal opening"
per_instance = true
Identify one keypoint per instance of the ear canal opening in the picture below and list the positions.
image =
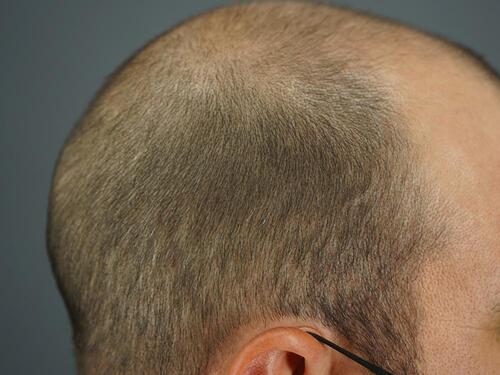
(297, 363)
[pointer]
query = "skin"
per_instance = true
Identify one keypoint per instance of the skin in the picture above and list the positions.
(455, 115)
(453, 110)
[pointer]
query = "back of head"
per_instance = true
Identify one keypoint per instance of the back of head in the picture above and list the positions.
(248, 165)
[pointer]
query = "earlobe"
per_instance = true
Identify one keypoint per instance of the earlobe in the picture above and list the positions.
(280, 351)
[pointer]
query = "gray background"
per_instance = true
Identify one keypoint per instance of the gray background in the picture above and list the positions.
(54, 56)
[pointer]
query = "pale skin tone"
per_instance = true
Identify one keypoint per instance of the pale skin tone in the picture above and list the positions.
(456, 116)
(454, 112)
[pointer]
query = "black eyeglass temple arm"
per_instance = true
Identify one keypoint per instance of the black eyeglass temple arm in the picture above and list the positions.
(370, 366)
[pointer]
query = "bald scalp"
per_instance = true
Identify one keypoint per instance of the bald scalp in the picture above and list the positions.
(247, 165)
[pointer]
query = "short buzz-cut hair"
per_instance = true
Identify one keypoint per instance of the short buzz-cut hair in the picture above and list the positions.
(246, 166)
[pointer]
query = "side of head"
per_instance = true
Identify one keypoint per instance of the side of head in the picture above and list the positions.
(242, 177)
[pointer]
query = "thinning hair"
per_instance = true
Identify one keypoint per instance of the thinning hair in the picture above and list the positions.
(245, 166)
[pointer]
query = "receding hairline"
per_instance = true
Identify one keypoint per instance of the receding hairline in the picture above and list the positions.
(476, 59)
(145, 69)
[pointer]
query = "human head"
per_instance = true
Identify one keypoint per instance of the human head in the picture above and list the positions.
(267, 167)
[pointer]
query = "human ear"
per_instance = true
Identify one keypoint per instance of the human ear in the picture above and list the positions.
(284, 351)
